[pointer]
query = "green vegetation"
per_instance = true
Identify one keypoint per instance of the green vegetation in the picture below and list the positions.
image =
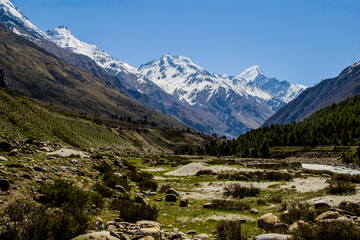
(236, 190)
(132, 211)
(338, 124)
(341, 187)
(230, 230)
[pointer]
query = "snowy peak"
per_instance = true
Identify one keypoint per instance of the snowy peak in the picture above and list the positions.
(63, 38)
(251, 73)
(15, 20)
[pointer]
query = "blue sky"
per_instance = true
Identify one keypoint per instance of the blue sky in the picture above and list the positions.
(302, 41)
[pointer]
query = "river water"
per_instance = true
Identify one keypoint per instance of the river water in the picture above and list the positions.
(336, 169)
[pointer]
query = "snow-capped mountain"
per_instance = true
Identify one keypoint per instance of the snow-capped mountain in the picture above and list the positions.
(16, 21)
(208, 102)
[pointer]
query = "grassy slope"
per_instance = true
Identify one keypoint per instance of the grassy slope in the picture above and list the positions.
(22, 118)
(36, 73)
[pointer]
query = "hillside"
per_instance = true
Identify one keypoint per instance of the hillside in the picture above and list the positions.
(33, 121)
(329, 91)
(338, 124)
(35, 73)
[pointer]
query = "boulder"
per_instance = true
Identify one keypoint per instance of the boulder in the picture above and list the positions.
(327, 215)
(268, 221)
(191, 232)
(254, 211)
(154, 232)
(147, 223)
(183, 202)
(172, 191)
(14, 152)
(4, 185)
(96, 236)
(280, 228)
(207, 205)
(201, 236)
(5, 146)
(3, 159)
(170, 198)
(120, 188)
(42, 198)
(351, 207)
(273, 236)
(321, 204)
(296, 225)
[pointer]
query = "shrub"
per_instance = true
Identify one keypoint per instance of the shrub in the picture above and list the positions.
(103, 190)
(299, 211)
(230, 205)
(338, 230)
(238, 191)
(230, 230)
(132, 212)
(144, 180)
(27, 221)
(341, 187)
(146, 184)
(257, 176)
(111, 180)
(62, 192)
(346, 177)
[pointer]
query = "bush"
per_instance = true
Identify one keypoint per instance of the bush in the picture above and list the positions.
(238, 191)
(341, 187)
(230, 230)
(144, 180)
(204, 172)
(62, 192)
(346, 177)
(132, 212)
(111, 180)
(230, 205)
(103, 190)
(338, 230)
(299, 211)
(146, 184)
(257, 176)
(27, 221)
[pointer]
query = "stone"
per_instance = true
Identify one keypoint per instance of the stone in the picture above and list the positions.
(327, 215)
(42, 198)
(3, 159)
(140, 199)
(183, 202)
(268, 221)
(254, 211)
(321, 204)
(159, 199)
(273, 236)
(191, 232)
(339, 210)
(14, 152)
(280, 228)
(202, 236)
(148, 223)
(96, 236)
(5, 146)
(120, 188)
(153, 232)
(350, 206)
(40, 169)
(4, 185)
(170, 198)
(207, 205)
(172, 191)
(296, 225)
(74, 161)
(147, 238)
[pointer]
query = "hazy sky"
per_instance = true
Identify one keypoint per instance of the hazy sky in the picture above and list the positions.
(302, 41)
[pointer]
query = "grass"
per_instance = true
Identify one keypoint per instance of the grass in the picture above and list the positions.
(239, 191)
(341, 187)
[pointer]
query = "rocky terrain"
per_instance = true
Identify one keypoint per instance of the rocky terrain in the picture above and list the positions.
(192, 195)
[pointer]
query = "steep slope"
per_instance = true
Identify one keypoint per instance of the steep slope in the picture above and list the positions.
(35, 73)
(33, 121)
(329, 91)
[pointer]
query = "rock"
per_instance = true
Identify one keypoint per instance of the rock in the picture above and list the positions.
(96, 236)
(99, 224)
(45, 149)
(327, 215)
(296, 225)
(74, 161)
(159, 199)
(280, 228)
(191, 232)
(273, 236)
(321, 204)
(140, 199)
(14, 152)
(153, 232)
(268, 221)
(42, 198)
(254, 211)
(172, 191)
(183, 202)
(40, 169)
(201, 236)
(5, 146)
(339, 210)
(147, 223)
(147, 238)
(351, 207)
(170, 198)
(4, 185)
(207, 205)
(120, 188)
(3, 159)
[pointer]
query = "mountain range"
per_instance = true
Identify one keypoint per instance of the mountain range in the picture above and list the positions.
(176, 86)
